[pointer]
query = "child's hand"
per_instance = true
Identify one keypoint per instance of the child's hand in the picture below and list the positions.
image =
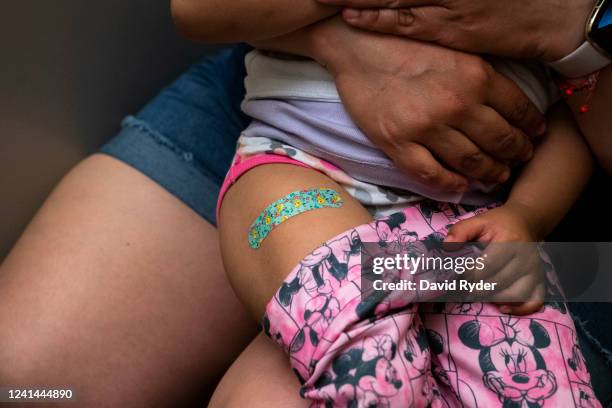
(516, 268)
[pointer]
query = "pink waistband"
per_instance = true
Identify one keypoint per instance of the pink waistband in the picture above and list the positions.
(239, 168)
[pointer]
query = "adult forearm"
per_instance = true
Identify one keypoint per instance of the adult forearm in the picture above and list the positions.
(543, 29)
(220, 21)
(410, 98)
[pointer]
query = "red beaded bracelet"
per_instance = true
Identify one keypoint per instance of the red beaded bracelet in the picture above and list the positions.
(571, 86)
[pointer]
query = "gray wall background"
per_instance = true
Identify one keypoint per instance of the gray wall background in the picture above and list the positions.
(69, 71)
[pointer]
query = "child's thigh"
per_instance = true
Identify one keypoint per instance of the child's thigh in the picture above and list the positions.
(256, 274)
(492, 359)
(260, 377)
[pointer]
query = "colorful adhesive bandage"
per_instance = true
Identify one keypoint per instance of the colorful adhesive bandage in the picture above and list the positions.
(289, 206)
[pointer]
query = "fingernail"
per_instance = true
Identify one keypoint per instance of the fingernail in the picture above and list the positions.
(405, 17)
(505, 309)
(505, 176)
(351, 14)
(462, 187)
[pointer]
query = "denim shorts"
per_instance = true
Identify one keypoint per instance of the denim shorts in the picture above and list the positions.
(185, 139)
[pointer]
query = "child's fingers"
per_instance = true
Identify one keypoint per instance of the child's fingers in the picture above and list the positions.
(498, 260)
(528, 288)
(503, 275)
(502, 265)
(523, 309)
(505, 264)
(465, 231)
(526, 308)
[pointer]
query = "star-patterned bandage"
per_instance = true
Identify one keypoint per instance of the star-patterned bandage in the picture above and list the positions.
(289, 206)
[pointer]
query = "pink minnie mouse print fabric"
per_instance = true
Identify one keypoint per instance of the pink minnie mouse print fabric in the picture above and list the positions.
(382, 350)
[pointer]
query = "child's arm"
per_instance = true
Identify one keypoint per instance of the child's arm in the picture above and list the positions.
(220, 21)
(545, 191)
(549, 184)
(552, 182)
(596, 124)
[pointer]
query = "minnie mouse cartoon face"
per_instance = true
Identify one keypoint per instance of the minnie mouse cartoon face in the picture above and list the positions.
(510, 359)
(390, 232)
(364, 376)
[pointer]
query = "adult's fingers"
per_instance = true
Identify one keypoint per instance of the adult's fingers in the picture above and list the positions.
(511, 102)
(391, 21)
(492, 133)
(418, 162)
(422, 23)
(380, 3)
(461, 154)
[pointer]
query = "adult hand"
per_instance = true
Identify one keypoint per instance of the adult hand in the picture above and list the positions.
(542, 29)
(421, 103)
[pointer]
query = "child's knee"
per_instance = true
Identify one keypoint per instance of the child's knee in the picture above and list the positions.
(344, 345)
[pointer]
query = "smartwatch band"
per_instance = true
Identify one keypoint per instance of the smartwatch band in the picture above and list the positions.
(583, 61)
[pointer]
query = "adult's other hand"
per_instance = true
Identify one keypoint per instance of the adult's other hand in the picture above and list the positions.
(423, 105)
(542, 29)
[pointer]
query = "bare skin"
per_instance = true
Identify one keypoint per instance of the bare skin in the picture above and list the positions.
(545, 29)
(116, 289)
(260, 377)
(255, 275)
(596, 124)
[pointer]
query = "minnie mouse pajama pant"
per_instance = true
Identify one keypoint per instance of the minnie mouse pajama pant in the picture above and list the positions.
(353, 350)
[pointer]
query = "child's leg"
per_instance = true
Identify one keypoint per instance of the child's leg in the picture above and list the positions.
(260, 378)
(256, 274)
(344, 349)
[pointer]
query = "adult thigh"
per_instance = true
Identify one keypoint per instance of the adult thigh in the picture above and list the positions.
(116, 290)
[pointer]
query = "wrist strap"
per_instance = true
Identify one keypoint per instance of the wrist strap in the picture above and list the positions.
(585, 60)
